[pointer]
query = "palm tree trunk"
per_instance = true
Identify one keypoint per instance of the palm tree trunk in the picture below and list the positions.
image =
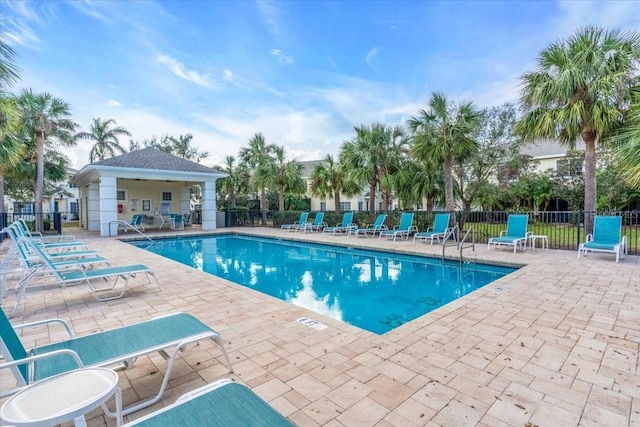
(232, 198)
(1, 191)
(336, 200)
(281, 198)
(448, 183)
(372, 197)
(39, 187)
(590, 196)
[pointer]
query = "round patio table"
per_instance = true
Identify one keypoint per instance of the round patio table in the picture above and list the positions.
(62, 398)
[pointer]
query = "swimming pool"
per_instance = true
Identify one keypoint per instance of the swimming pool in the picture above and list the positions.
(372, 290)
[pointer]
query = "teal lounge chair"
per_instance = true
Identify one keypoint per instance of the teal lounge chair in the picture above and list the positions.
(344, 227)
(516, 233)
(439, 229)
(55, 246)
(607, 237)
(222, 403)
(318, 223)
(29, 258)
(21, 222)
(404, 229)
(299, 224)
(114, 348)
(372, 229)
(72, 273)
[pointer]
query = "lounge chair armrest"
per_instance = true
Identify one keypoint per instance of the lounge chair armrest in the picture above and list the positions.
(47, 355)
(624, 244)
(588, 238)
(204, 389)
(503, 233)
(27, 360)
(46, 322)
(429, 229)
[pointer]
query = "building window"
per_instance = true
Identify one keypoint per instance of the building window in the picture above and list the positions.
(360, 205)
(569, 167)
(166, 196)
(146, 205)
(74, 207)
(121, 195)
(323, 206)
(345, 206)
(23, 208)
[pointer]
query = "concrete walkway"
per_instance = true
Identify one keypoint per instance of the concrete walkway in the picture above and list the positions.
(556, 345)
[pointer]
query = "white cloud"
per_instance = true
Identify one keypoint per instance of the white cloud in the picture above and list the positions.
(270, 15)
(281, 57)
(20, 33)
(113, 103)
(181, 71)
(372, 56)
(89, 8)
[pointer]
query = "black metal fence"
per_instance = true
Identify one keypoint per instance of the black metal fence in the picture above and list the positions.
(52, 223)
(565, 230)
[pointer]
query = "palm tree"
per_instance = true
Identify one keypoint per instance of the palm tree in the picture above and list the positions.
(182, 148)
(257, 155)
(232, 181)
(628, 142)
(285, 175)
(9, 71)
(11, 147)
(365, 157)
(395, 157)
(444, 132)
(105, 137)
(43, 117)
(328, 179)
(577, 91)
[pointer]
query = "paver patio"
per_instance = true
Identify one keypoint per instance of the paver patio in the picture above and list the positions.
(554, 343)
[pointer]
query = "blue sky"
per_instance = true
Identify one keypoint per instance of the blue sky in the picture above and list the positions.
(301, 72)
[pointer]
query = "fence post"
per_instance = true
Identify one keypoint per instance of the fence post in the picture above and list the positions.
(57, 222)
(3, 224)
(578, 228)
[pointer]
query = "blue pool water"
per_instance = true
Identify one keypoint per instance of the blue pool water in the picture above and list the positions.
(372, 290)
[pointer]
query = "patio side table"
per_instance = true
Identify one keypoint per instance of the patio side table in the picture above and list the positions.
(62, 398)
(544, 241)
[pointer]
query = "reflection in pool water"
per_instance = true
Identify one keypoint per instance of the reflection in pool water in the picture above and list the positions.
(376, 291)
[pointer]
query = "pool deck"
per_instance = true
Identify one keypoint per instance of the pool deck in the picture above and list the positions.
(555, 343)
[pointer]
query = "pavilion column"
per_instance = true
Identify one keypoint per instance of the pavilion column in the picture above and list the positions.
(209, 205)
(185, 199)
(93, 207)
(108, 206)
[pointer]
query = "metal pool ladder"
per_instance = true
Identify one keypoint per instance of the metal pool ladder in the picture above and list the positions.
(452, 236)
(470, 234)
(128, 226)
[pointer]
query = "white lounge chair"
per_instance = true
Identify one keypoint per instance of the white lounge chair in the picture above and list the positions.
(72, 273)
(372, 229)
(318, 223)
(119, 348)
(404, 229)
(344, 227)
(515, 234)
(607, 237)
(222, 403)
(439, 229)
